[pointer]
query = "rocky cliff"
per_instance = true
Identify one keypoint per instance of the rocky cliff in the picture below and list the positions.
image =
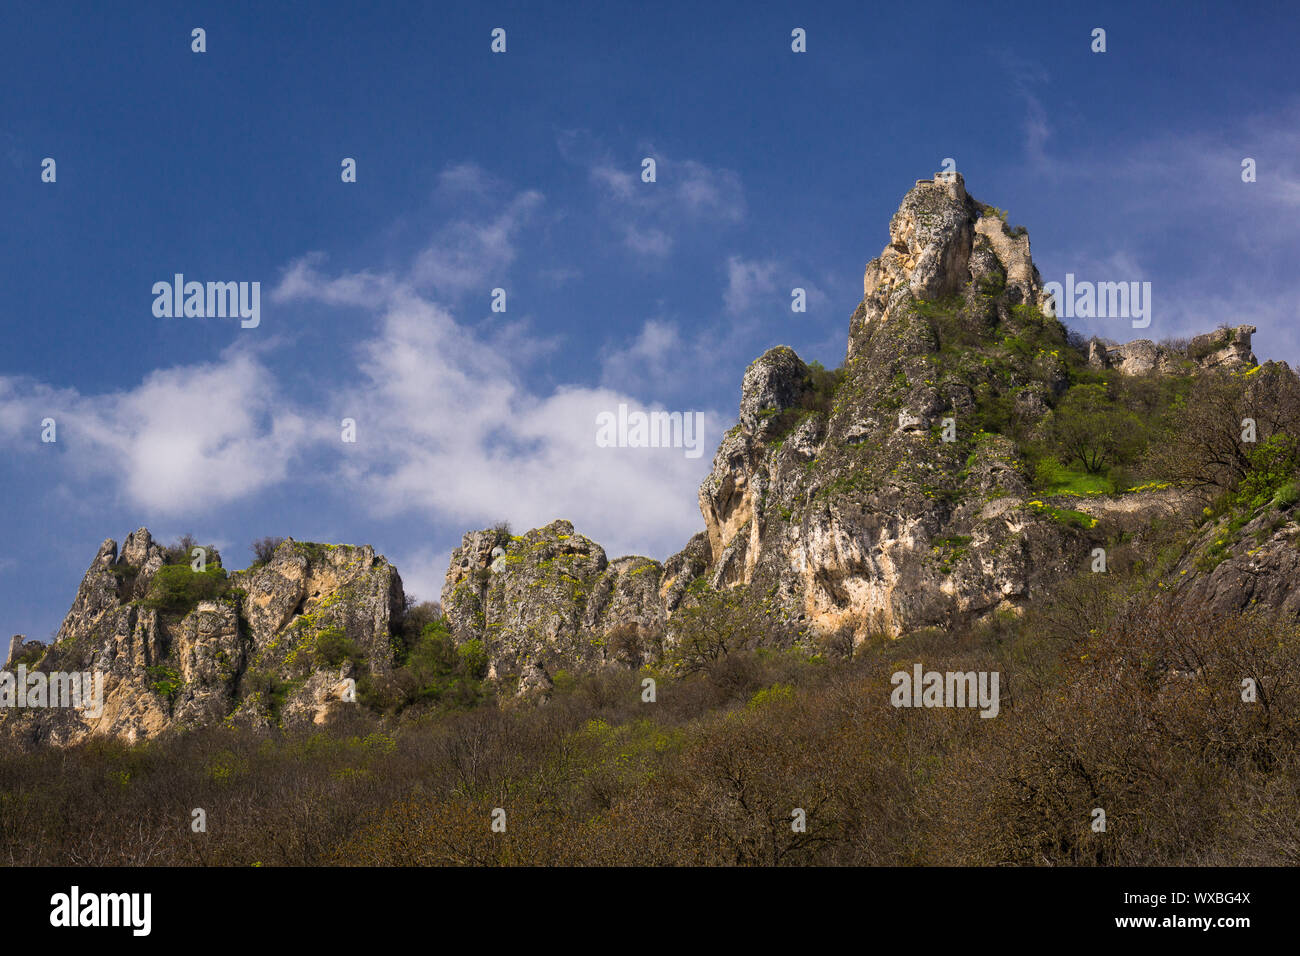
(280, 642)
(891, 500)
(887, 496)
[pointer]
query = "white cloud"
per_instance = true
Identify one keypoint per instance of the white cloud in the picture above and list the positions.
(1215, 248)
(423, 571)
(683, 189)
(656, 354)
(686, 194)
(615, 183)
(559, 276)
(451, 432)
(467, 178)
(448, 428)
(303, 278)
(649, 241)
(704, 191)
(747, 283)
(186, 438)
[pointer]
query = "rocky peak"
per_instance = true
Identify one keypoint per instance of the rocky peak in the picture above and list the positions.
(529, 598)
(930, 236)
(940, 241)
(18, 646)
(139, 548)
(1225, 347)
(774, 382)
(856, 516)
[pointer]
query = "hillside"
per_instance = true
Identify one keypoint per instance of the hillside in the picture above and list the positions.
(967, 463)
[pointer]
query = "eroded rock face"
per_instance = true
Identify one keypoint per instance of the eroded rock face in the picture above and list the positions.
(305, 595)
(1257, 565)
(859, 518)
(853, 517)
(774, 381)
(549, 599)
(862, 519)
(1224, 348)
(20, 649)
(1135, 358)
(164, 670)
(838, 523)
(682, 570)
(940, 240)
(876, 510)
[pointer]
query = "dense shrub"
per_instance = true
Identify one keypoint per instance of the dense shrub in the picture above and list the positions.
(1090, 427)
(176, 589)
(433, 671)
(1130, 705)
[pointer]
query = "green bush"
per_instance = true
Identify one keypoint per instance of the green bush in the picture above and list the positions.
(31, 654)
(1048, 472)
(993, 284)
(164, 681)
(175, 589)
(1091, 427)
(473, 658)
(272, 689)
(333, 647)
(1287, 495)
(818, 398)
(1271, 466)
(434, 670)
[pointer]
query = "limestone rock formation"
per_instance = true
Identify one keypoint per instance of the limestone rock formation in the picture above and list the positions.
(22, 650)
(880, 499)
(251, 654)
(856, 517)
(941, 239)
(859, 517)
(1223, 348)
(861, 520)
(550, 599)
(1228, 569)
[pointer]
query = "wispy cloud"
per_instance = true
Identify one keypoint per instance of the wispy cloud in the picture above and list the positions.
(448, 429)
(655, 356)
(1171, 207)
(747, 282)
(686, 193)
(466, 254)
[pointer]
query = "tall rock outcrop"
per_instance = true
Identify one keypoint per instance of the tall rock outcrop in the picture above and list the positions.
(860, 516)
(277, 643)
(884, 502)
(550, 599)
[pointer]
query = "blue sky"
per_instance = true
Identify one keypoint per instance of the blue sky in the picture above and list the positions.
(522, 171)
